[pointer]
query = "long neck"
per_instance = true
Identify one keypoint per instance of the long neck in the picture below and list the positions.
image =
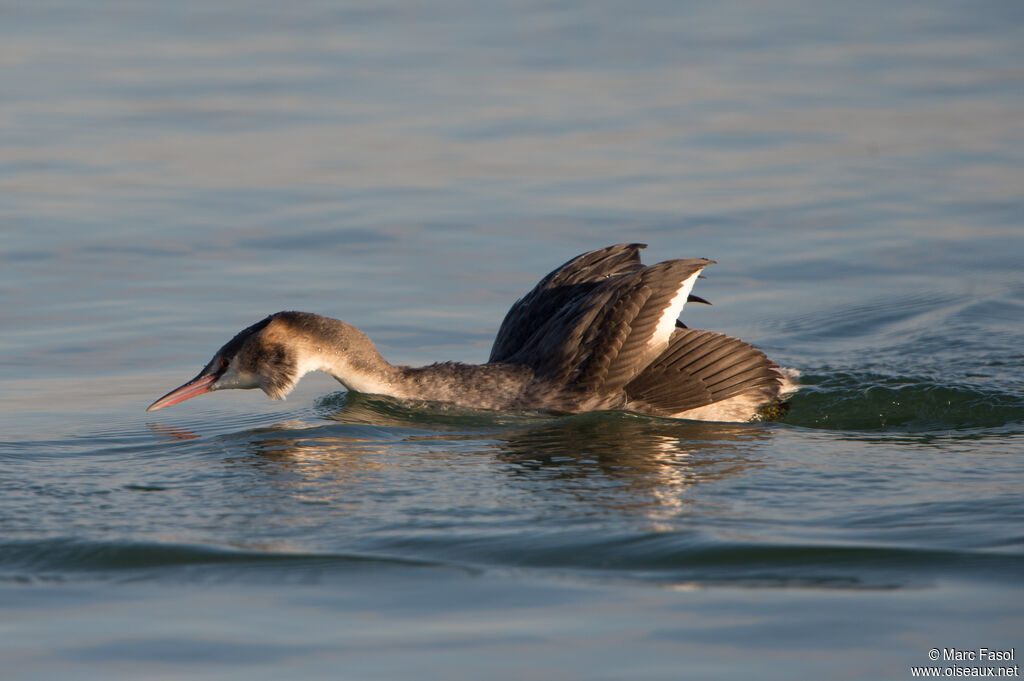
(344, 352)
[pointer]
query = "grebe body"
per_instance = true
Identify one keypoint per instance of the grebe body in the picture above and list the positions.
(600, 332)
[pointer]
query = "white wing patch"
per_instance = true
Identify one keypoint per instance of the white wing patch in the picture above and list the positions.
(667, 323)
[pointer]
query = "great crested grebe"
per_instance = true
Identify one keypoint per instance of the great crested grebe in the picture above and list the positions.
(600, 332)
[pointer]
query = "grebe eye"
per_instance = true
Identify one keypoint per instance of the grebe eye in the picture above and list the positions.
(224, 363)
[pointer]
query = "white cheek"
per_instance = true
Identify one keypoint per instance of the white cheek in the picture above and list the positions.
(232, 379)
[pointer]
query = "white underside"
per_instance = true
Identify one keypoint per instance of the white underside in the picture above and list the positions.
(744, 407)
(738, 408)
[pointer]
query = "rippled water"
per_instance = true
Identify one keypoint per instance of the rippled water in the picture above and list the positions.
(172, 173)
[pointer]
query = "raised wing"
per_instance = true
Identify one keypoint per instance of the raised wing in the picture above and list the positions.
(628, 326)
(594, 324)
(561, 289)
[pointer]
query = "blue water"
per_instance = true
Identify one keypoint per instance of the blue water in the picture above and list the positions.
(171, 173)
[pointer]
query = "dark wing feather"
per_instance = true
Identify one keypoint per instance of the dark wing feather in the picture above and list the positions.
(595, 336)
(629, 336)
(564, 288)
(701, 368)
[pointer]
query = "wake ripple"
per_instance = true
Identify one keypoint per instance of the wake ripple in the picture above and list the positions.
(872, 402)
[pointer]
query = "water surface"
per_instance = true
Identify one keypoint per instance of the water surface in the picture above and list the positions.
(170, 174)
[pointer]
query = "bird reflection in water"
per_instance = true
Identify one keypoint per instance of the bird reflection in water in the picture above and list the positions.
(172, 433)
(614, 460)
(656, 459)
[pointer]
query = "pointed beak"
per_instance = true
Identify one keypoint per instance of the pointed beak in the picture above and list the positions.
(202, 383)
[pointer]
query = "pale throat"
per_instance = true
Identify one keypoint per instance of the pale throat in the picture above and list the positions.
(357, 376)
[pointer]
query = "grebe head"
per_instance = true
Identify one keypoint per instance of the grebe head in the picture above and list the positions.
(257, 357)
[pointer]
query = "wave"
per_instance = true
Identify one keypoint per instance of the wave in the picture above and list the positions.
(65, 558)
(856, 401)
(831, 400)
(671, 558)
(848, 401)
(874, 402)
